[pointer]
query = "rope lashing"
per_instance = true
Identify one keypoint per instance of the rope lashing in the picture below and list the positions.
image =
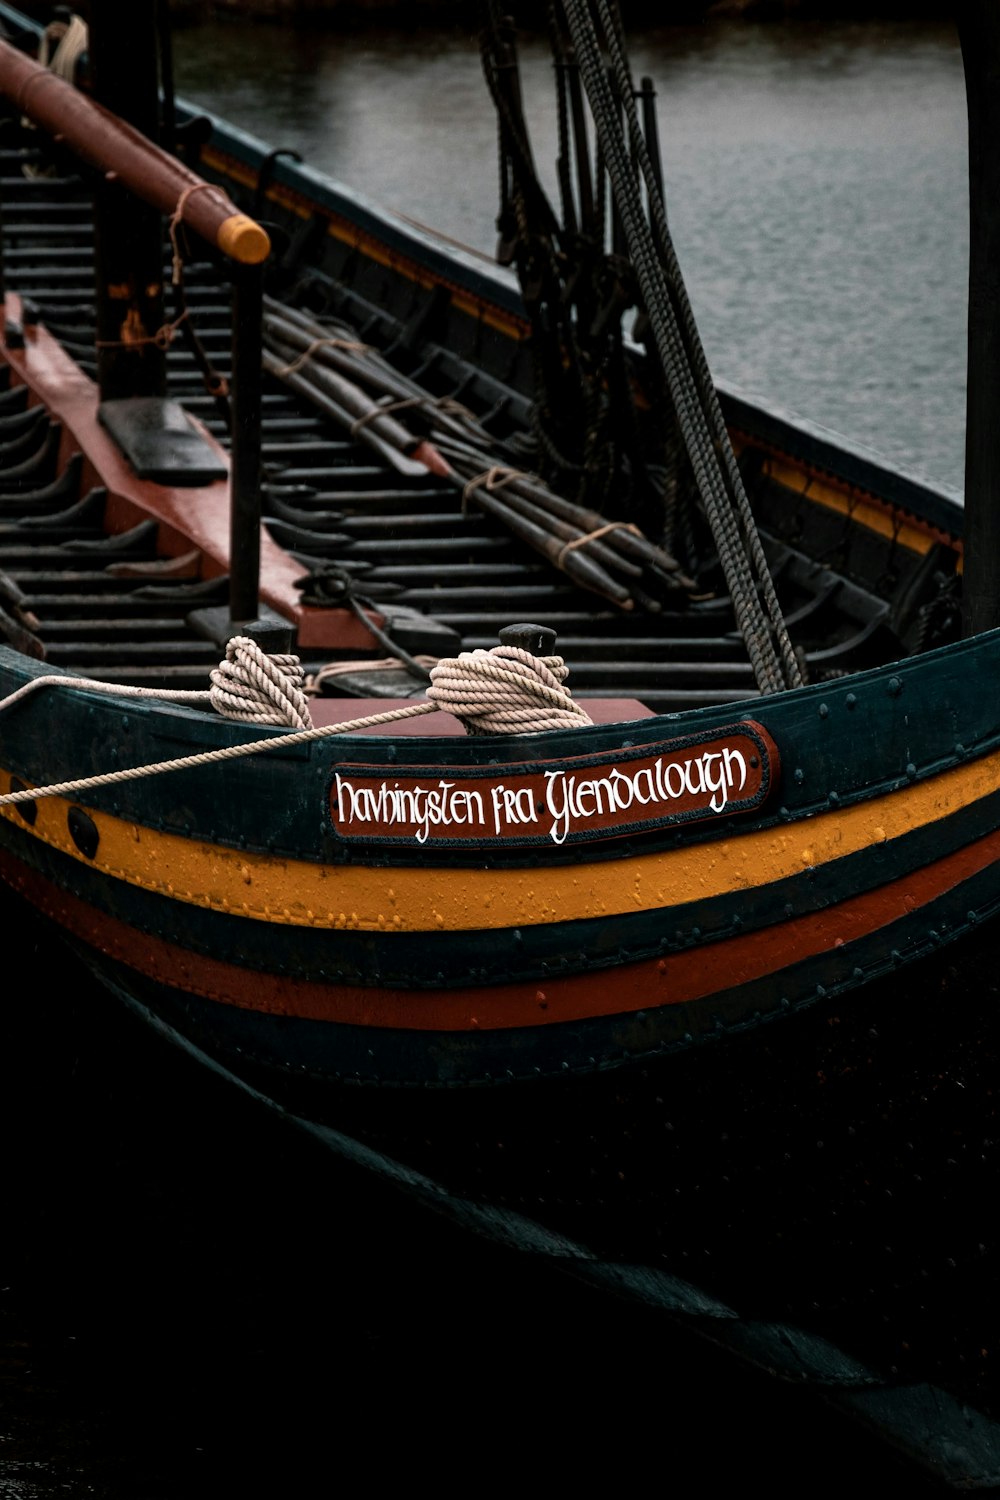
(351, 345)
(162, 338)
(177, 260)
(593, 536)
(491, 480)
(383, 409)
(506, 690)
(60, 49)
(71, 42)
(166, 333)
(259, 689)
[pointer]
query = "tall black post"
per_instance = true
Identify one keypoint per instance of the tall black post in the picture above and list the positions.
(245, 460)
(979, 34)
(128, 236)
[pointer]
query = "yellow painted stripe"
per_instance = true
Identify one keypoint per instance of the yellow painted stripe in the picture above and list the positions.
(349, 233)
(884, 520)
(296, 892)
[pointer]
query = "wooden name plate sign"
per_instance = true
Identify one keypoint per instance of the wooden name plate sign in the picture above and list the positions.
(579, 800)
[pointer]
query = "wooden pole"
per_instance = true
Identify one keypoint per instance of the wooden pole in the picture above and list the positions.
(125, 154)
(245, 462)
(979, 35)
(128, 236)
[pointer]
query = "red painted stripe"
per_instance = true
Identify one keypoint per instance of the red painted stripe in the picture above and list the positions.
(647, 984)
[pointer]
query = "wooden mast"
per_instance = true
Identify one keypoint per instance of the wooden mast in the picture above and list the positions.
(128, 234)
(979, 34)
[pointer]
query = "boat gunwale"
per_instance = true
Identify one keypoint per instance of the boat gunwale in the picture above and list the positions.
(808, 442)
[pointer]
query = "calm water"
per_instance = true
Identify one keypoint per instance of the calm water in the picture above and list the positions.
(816, 182)
(190, 1302)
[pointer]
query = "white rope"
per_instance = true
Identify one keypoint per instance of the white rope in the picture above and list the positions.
(503, 691)
(113, 689)
(506, 691)
(71, 46)
(209, 757)
(314, 683)
(61, 46)
(259, 689)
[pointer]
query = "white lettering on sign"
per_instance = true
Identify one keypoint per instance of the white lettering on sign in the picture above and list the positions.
(417, 808)
(572, 799)
(582, 799)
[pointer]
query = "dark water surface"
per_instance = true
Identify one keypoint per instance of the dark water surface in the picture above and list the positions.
(816, 182)
(195, 1302)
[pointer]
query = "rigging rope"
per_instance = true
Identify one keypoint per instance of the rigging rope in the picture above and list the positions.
(679, 347)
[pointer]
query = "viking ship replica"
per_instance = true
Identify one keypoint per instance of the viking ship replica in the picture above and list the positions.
(567, 788)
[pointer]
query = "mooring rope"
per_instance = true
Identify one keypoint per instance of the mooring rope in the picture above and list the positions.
(502, 691)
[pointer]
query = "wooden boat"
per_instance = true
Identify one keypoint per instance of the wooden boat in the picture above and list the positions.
(558, 783)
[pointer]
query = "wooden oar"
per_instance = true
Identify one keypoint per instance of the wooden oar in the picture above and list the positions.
(378, 431)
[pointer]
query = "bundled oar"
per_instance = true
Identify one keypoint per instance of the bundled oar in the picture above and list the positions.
(310, 345)
(633, 550)
(524, 521)
(350, 408)
(528, 523)
(605, 557)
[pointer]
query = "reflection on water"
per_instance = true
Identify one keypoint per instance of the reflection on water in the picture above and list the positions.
(815, 174)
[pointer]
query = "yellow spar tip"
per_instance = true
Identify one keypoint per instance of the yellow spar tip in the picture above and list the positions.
(242, 238)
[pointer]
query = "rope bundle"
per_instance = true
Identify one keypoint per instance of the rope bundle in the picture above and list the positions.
(505, 690)
(257, 688)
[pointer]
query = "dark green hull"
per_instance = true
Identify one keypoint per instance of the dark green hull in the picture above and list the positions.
(696, 997)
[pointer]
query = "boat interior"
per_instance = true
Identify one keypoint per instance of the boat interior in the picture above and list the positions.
(418, 559)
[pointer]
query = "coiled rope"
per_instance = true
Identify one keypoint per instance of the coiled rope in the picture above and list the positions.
(259, 689)
(506, 690)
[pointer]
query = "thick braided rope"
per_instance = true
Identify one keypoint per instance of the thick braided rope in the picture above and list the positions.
(259, 689)
(470, 687)
(505, 690)
(702, 444)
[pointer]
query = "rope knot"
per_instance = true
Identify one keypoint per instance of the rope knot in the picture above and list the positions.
(506, 690)
(259, 689)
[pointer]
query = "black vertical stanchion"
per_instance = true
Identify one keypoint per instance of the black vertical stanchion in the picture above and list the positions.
(128, 234)
(245, 467)
(979, 34)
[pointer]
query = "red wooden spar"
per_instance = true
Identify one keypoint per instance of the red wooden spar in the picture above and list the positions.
(124, 154)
